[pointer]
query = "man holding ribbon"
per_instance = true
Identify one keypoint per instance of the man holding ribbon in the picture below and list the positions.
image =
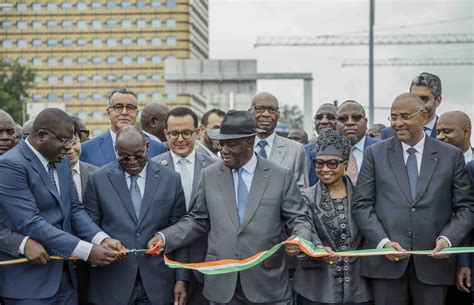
(244, 203)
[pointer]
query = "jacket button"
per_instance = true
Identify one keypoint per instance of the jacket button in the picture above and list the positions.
(236, 254)
(138, 233)
(409, 233)
(413, 210)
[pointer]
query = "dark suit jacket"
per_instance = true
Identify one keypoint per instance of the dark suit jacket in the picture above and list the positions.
(100, 151)
(86, 169)
(31, 205)
(310, 150)
(198, 248)
(274, 203)
(387, 132)
(383, 207)
(108, 202)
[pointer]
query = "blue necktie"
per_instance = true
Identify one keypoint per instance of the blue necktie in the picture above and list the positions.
(135, 195)
(427, 131)
(51, 168)
(262, 151)
(242, 195)
(412, 171)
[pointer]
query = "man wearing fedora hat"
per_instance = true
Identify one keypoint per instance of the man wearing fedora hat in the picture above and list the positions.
(243, 203)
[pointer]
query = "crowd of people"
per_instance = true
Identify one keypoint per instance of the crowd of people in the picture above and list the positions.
(227, 186)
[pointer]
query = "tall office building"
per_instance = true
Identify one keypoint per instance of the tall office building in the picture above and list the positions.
(83, 49)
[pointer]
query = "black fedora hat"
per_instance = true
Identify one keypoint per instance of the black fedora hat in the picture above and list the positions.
(236, 124)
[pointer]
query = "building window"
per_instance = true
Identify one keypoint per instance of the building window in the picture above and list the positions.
(127, 78)
(111, 78)
(111, 5)
(52, 97)
(96, 60)
(96, 5)
(96, 24)
(22, 43)
(67, 43)
(97, 42)
(37, 61)
(142, 77)
(97, 96)
(38, 79)
(141, 96)
(51, 24)
(7, 25)
(82, 60)
(126, 24)
(127, 41)
(82, 24)
(68, 97)
(156, 59)
(127, 60)
(21, 7)
(36, 25)
(156, 96)
(7, 43)
(111, 60)
(22, 61)
(82, 115)
(66, 24)
(67, 79)
(171, 3)
(51, 6)
(52, 79)
(82, 78)
(141, 23)
(171, 57)
(155, 3)
(156, 23)
(52, 61)
(97, 115)
(141, 41)
(82, 96)
(126, 4)
(111, 23)
(67, 61)
(156, 77)
(171, 96)
(141, 60)
(82, 42)
(36, 6)
(36, 43)
(112, 42)
(82, 6)
(171, 41)
(140, 4)
(156, 41)
(66, 6)
(97, 78)
(171, 22)
(21, 25)
(37, 97)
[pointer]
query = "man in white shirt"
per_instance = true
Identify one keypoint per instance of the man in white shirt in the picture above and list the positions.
(413, 193)
(454, 127)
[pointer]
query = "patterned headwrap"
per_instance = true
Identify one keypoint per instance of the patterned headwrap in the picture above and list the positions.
(331, 142)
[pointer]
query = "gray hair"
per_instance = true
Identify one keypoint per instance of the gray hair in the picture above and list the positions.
(429, 80)
(122, 90)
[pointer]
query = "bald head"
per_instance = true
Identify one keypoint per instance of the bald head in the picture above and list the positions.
(407, 118)
(265, 110)
(26, 128)
(325, 117)
(131, 147)
(298, 135)
(130, 135)
(265, 97)
(153, 119)
(7, 132)
(409, 100)
(454, 127)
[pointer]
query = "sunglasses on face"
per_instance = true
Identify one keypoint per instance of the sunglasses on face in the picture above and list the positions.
(328, 116)
(86, 132)
(137, 158)
(354, 118)
(331, 164)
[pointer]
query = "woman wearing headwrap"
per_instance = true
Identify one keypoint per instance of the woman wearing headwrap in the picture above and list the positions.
(332, 280)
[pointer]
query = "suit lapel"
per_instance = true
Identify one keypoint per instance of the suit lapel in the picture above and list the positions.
(84, 174)
(64, 176)
(429, 160)
(107, 147)
(117, 179)
(151, 186)
(199, 164)
(397, 164)
(226, 187)
(259, 184)
(278, 150)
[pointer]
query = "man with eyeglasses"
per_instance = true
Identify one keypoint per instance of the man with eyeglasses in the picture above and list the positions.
(122, 111)
(84, 132)
(38, 200)
(325, 117)
(352, 124)
(181, 130)
(413, 193)
(427, 86)
(133, 198)
(269, 145)
(210, 120)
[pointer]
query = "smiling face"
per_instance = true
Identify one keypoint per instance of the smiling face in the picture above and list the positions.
(179, 127)
(236, 152)
(331, 176)
(454, 128)
(75, 152)
(351, 122)
(54, 145)
(409, 129)
(132, 155)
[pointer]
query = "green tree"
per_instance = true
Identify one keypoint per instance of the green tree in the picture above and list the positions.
(291, 116)
(16, 81)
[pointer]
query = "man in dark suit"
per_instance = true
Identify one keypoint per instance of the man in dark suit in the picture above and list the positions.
(454, 127)
(132, 199)
(38, 200)
(122, 111)
(210, 120)
(181, 129)
(426, 86)
(325, 117)
(413, 193)
(244, 203)
(152, 121)
(352, 123)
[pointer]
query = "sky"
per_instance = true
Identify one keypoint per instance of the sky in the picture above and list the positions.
(236, 24)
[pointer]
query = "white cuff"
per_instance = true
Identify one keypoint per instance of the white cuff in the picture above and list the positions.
(446, 239)
(382, 243)
(162, 236)
(21, 250)
(99, 238)
(82, 250)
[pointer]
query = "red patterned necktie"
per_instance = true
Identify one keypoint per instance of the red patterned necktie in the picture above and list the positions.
(351, 171)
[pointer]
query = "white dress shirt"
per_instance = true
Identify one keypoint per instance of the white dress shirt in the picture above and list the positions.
(468, 155)
(358, 152)
(76, 176)
(83, 248)
(140, 180)
(268, 148)
(247, 174)
(189, 164)
(419, 156)
(430, 126)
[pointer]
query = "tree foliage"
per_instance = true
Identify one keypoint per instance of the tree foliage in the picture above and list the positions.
(291, 116)
(16, 80)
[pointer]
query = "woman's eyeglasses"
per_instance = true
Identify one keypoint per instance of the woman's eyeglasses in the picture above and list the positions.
(331, 164)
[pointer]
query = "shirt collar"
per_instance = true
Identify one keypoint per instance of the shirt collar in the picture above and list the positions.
(77, 168)
(430, 125)
(418, 146)
(360, 145)
(114, 136)
(468, 154)
(208, 150)
(250, 166)
(142, 174)
(270, 139)
(151, 136)
(190, 158)
(38, 154)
